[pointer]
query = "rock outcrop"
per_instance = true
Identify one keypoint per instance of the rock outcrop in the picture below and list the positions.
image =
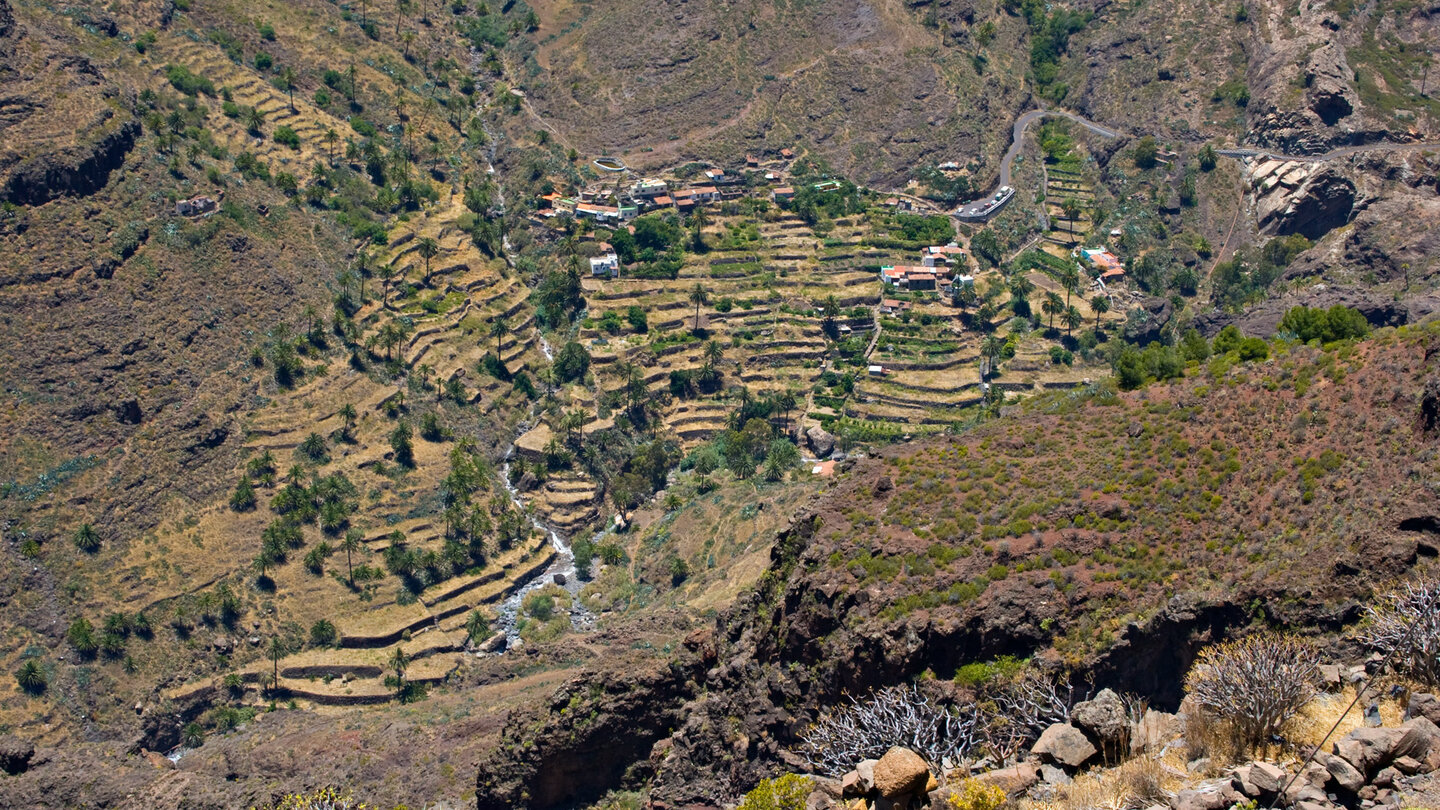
(78, 171)
(1064, 744)
(15, 753)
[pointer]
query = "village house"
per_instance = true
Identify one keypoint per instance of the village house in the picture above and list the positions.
(607, 264)
(911, 277)
(650, 189)
(786, 154)
(706, 194)
(783, 193)
(890, 306)
(599, 213)
(195, 206)
(941, 255)
(1110, 267)
(751, 161)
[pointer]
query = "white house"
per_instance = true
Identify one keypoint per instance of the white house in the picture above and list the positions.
(606, 265)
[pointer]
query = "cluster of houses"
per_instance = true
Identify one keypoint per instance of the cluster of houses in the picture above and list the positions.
(935, 271)
(613, 205)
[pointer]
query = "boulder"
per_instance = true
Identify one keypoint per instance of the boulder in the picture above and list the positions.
(1051, 775)
(1332, 676)
(850, 784)
(1269, 778)
(1345, 776)
(1211, 795)
(1386, 778)
(866, 773)
(1014, 780)
(1368, 748)
(1423, 705)
(15, 754)
(1420, 741)
(821, 442)
(1064, 744)
(1155, 730)
(1408, 765)
(901, 772)
(1102, 718)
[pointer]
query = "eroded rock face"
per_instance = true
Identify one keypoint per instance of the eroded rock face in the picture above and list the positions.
(1330, 95)
(15, 753)
(1319, 201)
(7, 19)
(78, 172)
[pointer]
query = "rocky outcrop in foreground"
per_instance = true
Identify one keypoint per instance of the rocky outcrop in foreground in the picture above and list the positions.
(1367, 768)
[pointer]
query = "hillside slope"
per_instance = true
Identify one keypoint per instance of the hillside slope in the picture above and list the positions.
(1106, 536)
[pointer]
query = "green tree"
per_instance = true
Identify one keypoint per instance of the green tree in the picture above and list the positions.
(477, 627)
(277, 651)
(1101, 304)
(87, 539)
(31, 677)
(1052, 306)
(400, 442)
(1072, 319)
(1072, 209)
(428, 249)
(699, 296)
(1146, 152)
(286, 82)
(498, 330)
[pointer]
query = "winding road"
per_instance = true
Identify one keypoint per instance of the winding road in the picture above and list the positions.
(973, 210)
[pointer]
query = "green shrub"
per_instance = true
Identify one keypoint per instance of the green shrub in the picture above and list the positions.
(188, 83)
(87, 539)
(786, 792)
(287, 136)
(1325, 325)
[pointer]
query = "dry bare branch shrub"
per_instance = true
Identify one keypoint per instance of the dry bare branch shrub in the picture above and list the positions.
(1406, 626)
(1254, 685)
(896, 715)
(1001, 723)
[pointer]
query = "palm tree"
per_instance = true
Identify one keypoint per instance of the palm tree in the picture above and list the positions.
(1101, 305)
(1072, 319)
(351, 544)
(428, 249)
(476, 627)
(254, 119)
(1071, 207)
(347, 414)
(1021, 286)
(699, 297)
(498, 330)
(387, 272)
(1070, 280)
(287, 83)
(399, 661)
(1052, 306)
(277, 651)
(714, 352)
(364, 266)
(830, 309)
(787, 402)
(990, 349)
(572, 422)
(331, 138)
